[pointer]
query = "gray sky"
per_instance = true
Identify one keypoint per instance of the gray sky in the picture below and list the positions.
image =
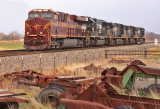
(140, 13)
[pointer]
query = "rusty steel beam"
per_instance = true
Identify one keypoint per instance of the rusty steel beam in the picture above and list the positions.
(33, 78)
(8, 96)
(69, 77)
(13, 99)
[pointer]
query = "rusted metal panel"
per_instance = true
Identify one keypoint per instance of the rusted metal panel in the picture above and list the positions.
(115, 80)
(150, 70)
(136, 75)
(8, 96)
(80, 104)
(95, 97)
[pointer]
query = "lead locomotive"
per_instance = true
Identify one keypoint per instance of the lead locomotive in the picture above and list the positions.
(47, 29)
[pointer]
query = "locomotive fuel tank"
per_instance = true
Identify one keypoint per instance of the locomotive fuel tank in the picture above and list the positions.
(68, 43)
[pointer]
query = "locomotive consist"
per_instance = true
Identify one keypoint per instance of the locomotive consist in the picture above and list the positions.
(47, 29)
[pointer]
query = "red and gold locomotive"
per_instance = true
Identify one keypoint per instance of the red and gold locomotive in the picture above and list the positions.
(47, 29)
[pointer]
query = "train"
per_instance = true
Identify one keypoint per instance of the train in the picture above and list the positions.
(48, 29)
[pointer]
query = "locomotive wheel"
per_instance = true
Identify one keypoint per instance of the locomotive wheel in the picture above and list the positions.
(155, 88)
(10, 105)
(124, 107)
(51, 96)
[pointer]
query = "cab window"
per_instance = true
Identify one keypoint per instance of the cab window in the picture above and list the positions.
(47, 16)
(56, 17)
(32, 15)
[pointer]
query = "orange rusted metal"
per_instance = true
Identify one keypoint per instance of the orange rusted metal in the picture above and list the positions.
(33, 78)
(90, 69)
(8, 98)
(96, 98)
(137, 67)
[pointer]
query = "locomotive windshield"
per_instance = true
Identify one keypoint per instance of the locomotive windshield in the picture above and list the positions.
(32, 15)
(47, 16)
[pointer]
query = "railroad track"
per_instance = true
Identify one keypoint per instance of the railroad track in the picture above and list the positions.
(24, 52)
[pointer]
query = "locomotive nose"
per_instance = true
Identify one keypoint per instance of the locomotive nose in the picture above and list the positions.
(36, 20)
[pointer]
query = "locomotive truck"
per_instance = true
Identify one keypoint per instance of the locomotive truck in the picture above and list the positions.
(48, 29)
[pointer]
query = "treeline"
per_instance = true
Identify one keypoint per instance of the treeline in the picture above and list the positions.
(17, 36)
(11, 36)
(151, 36)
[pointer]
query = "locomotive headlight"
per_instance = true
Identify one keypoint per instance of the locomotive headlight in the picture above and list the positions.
(27, 32)
(41, 32)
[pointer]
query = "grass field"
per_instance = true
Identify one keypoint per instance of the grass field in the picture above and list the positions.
(11, 45)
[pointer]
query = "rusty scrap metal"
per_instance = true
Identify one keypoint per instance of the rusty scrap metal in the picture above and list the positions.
(89, 68)
(96, 98)
(8, 99)
(50, 82)
(144, 77)
(137, 62)
(33, 78)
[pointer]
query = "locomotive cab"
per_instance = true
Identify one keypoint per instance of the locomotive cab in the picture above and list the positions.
(36, 32)
(141, 35)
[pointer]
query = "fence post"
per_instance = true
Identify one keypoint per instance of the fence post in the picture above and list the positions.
(22, 64)
(145, 53)
(106, 55)
(76, 57)
(40, 63)
(93, 55)
(54, 62)
(0, 63)
(85, 57)
(66, 59)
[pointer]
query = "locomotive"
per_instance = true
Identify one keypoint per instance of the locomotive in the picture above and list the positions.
(48, 29)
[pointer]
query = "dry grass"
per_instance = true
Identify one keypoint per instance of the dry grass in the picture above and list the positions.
(32, 92)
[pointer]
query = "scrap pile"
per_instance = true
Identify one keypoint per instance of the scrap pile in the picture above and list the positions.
(136, 75)
(76, 92)
(103, 96)
(90, 69)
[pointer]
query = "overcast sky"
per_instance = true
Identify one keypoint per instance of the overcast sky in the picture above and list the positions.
(139, 13)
